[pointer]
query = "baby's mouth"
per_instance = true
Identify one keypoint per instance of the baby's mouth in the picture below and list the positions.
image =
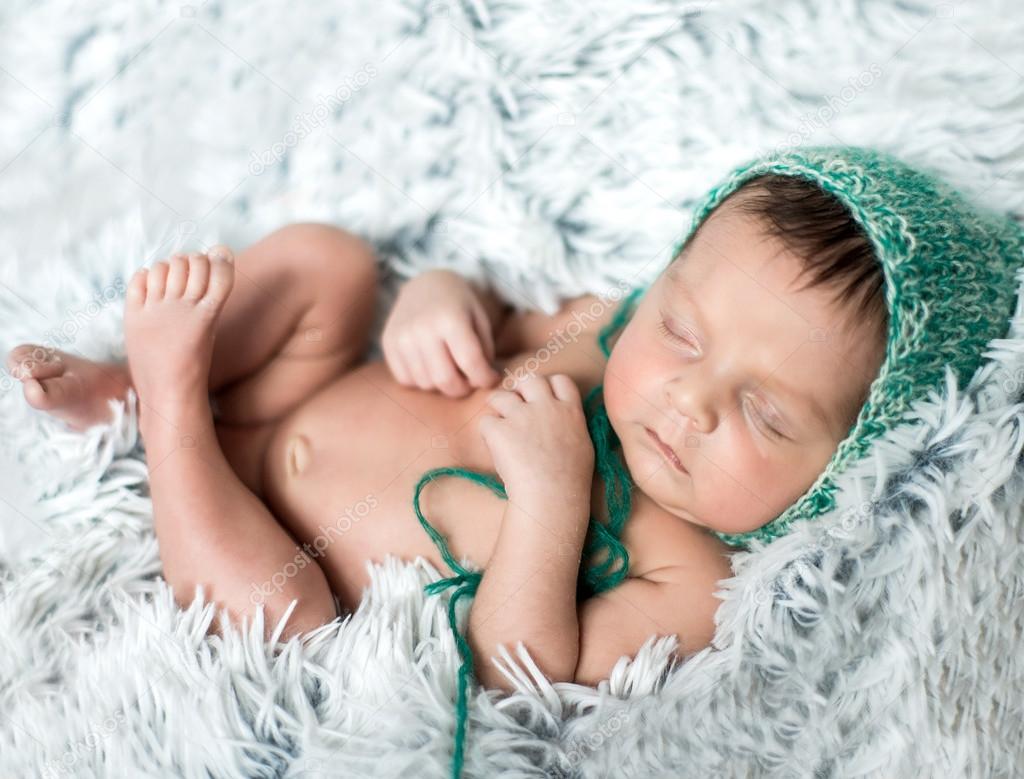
(667, 451)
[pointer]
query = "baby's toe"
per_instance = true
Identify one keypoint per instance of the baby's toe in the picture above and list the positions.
(198, 276)
(222, 276)
(17, 357)
(35, 361)
(156, 281)
(177, 277)
(46, 394)
(136, 294)
(220, 251)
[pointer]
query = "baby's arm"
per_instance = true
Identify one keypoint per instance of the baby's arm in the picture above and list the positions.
(543, 454)
(497, 308)
(618, 622)
(532, 598)
(528, 591)
(578, 318)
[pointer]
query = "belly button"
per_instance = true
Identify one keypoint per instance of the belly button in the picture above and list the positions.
(298, 454)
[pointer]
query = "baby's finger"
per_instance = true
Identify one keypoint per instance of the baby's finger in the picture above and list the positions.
(467, 350)
(503, 401)
(398, 367)
(483, 329)
(418, 368)
(534, 387)
(443, 372)
(486, 425)
(565, 388)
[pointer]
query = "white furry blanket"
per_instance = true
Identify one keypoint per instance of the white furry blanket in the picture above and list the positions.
(552, 148)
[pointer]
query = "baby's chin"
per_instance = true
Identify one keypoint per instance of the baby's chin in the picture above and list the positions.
(652, 483)
(671, 497)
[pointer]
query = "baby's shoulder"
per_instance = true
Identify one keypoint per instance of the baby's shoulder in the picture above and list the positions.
(669, 548)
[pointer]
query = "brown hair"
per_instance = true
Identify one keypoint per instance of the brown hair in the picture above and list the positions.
(812, 224)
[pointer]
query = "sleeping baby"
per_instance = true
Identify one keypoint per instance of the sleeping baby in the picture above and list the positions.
(793, 324)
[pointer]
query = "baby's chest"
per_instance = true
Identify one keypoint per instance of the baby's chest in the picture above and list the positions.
(342, 470)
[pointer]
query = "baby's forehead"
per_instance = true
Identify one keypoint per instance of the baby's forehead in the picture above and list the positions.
(736, 248)
(727, 229)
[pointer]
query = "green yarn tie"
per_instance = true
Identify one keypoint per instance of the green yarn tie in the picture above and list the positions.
(595, 579)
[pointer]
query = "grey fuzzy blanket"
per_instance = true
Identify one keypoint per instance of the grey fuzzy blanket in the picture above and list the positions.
(551, 148)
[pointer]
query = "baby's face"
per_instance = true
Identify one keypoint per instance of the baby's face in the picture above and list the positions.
(751, 383)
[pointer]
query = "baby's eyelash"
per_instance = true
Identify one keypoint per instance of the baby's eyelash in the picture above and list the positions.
(770, 431)
(663, 327)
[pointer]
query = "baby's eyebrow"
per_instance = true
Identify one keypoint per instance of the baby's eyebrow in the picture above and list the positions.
(770, 381)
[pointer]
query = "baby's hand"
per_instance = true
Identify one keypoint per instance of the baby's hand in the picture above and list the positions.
(438, 336)
(540, 444)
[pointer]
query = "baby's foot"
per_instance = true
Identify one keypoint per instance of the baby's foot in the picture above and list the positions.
(70, 388)
(170, 318)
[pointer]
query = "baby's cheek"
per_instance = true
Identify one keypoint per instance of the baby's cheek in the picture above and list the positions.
(743, 491)
(623, 384)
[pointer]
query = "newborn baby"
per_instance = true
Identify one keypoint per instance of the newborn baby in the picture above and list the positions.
(281, 461)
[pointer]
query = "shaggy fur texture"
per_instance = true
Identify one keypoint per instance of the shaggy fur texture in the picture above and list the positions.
(552, 149)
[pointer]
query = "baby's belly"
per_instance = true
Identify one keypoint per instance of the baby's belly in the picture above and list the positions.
(341, 471)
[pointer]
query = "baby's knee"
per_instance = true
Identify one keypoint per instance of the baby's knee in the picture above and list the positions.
(325, 252)
(314, 605)
(308, 617)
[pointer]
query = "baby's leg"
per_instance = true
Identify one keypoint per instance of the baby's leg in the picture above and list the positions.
(300, 312)
(212, 529)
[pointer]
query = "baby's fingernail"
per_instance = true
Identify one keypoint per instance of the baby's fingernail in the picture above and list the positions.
(220, 252)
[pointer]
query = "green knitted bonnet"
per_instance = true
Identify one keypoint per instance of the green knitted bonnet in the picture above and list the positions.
(949, 287)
